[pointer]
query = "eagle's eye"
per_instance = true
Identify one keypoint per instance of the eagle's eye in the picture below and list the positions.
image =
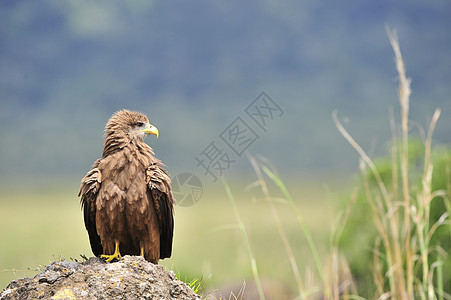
(139, 124)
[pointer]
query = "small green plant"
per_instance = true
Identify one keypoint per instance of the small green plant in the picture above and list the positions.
(196, 285)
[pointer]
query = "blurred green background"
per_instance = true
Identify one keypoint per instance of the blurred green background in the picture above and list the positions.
(40, 225)
(193, 67)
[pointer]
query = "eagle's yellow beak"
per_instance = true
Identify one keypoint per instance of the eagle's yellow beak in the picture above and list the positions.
(150, 129)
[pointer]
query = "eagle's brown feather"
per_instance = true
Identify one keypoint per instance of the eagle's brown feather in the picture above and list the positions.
(126, 196)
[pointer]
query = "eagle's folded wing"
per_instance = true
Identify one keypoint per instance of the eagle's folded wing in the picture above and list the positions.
(159, 185)
(90, 185)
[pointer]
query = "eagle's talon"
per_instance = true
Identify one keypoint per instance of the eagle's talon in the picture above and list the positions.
(110, 258)
(116, 255)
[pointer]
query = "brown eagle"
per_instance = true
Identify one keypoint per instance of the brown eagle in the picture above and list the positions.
(126, 197)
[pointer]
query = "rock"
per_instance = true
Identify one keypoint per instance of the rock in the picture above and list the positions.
(130, 278)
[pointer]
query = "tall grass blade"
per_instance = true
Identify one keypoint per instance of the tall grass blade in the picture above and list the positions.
(283, 236)
(245, 238)
(278, 181)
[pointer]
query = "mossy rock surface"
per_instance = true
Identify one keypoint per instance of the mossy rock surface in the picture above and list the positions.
(132, 277)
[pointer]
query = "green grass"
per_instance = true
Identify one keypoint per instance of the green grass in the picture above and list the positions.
(209, 243)
(38, 225)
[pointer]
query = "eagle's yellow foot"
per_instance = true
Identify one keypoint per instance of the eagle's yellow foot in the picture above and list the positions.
(115, 255)
(142, 252)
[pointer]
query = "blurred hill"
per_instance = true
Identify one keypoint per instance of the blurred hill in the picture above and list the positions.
(193, 67)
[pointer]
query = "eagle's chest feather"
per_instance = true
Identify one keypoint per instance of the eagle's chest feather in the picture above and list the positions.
(124, 180)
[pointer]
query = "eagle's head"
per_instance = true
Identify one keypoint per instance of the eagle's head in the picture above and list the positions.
(129, 125)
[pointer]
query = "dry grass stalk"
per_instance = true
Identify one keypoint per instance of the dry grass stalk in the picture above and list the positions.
(402, 249)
